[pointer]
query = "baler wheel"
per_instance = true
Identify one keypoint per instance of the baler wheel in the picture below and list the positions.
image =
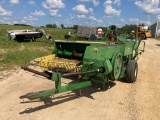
(131, 71)
(117, 66)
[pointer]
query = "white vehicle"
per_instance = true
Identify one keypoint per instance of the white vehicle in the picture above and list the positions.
(26, 34)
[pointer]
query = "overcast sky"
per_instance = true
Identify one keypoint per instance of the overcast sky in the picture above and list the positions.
(80, 12)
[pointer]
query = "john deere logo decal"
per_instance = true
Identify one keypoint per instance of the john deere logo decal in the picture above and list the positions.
(95, 50)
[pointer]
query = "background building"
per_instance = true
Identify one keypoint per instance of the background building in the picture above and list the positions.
(155, 29)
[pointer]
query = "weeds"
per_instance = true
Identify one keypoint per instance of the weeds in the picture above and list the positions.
(14, 53)
(21, 53)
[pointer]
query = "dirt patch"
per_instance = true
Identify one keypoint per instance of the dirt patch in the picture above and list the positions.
(119, 101)
(7, 73)
(22, 47)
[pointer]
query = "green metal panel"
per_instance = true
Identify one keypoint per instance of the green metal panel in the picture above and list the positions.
(98, 56)
(128, 48)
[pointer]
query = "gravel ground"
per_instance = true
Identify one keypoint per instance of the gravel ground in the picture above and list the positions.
(122, 101)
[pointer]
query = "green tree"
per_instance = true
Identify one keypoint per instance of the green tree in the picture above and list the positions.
(142, 24)
(113, 27)
(54, 26)
(127, 28)
(49, 25)
(62, 26)
(75, 27)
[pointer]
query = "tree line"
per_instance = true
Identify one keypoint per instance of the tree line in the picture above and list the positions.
(61, 26)
(125, 29)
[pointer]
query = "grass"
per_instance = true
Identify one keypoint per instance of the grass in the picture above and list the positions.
(14, 53)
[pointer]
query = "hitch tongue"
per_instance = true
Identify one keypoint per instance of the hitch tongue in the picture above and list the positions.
(36, 72)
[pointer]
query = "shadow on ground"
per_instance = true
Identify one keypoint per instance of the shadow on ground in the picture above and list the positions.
(51, 101)
(158, 45)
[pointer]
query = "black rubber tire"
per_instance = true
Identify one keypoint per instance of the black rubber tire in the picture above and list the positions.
(141, 36)
(131, 71)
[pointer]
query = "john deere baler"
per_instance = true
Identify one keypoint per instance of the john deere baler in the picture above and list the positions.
(92, 61)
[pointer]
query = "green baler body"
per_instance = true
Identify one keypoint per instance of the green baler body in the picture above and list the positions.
(109, 55)
(98, 54)
(101, 58)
